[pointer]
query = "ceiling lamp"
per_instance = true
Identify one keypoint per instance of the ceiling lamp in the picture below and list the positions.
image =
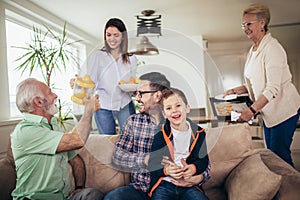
(149, 24)
(145, 47)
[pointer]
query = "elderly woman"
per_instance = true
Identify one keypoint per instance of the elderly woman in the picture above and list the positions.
(268, 82)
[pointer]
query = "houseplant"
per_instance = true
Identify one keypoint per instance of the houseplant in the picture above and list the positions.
(49, 52)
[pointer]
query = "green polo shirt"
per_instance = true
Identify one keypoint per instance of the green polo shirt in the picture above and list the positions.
(41, 172)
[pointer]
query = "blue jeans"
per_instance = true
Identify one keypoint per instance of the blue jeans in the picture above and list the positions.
(167, 190)
(279, 138)
(127, 192)
(106, 119)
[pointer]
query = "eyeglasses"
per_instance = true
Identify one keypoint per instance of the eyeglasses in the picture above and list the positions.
(247, 24)
(140, 93)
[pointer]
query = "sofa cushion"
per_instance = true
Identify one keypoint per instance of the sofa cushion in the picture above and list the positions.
(216, 193)
(97, 155)
(7, 179)
(227, 147)
(252, 180)
(290, 182)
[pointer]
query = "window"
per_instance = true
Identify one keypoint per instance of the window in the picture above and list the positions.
(18, 35)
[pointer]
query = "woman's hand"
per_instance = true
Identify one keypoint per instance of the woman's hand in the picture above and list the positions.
(246, 115)
(237, 90)
(228, 92)
(72, 81)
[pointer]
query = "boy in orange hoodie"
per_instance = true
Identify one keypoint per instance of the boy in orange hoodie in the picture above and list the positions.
(184, 142)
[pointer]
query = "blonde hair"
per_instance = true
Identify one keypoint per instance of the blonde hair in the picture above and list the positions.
(261, 11)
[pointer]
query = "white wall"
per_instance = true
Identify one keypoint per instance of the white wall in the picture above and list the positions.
(289, 37)
(181, 60)
(229, 59)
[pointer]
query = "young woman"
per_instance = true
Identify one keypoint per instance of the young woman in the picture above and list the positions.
(106, 67)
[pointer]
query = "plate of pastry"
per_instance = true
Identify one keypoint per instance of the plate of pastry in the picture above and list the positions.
(128, 87)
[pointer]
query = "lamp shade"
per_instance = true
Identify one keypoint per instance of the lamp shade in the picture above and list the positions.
(145, 47)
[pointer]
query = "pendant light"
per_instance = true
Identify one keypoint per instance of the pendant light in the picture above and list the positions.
(145, 47)
(149, 24)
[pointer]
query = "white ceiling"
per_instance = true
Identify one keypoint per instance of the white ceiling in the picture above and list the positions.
(215, 20)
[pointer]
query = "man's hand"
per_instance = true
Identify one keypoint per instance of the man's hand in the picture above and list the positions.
(93, 103)
(146, 161)
(165, 160)
(75, 192)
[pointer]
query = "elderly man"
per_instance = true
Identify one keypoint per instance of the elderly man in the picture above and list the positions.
(42, 151)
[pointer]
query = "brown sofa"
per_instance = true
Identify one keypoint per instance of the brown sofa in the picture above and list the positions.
(237, 171)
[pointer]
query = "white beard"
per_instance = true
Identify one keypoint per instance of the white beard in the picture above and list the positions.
(51, 109)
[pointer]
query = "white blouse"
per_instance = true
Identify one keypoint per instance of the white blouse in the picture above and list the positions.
(106, 72)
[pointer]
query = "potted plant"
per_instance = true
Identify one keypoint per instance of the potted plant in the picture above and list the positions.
(48, 52)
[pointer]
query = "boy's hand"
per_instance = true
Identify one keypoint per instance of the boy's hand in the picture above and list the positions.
(194, 180)
(188, 170)
(174, 171)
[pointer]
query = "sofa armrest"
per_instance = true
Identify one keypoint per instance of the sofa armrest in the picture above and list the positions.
(7, 179)
(252, 179)
(289, 188)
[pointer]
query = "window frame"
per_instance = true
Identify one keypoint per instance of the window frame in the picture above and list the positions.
(20, 15)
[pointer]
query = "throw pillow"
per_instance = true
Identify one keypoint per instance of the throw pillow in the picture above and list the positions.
(252, 180)
(227, 147)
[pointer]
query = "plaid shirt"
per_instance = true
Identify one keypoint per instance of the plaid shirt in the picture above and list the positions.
(132, 147)
(206, 175)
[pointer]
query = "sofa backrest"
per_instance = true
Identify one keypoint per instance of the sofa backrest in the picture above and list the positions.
(227, 147)
(97, 155)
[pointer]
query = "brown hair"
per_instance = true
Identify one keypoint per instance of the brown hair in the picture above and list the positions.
(261, 11)
(119, 24)
(157, 80)
(166, 93)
